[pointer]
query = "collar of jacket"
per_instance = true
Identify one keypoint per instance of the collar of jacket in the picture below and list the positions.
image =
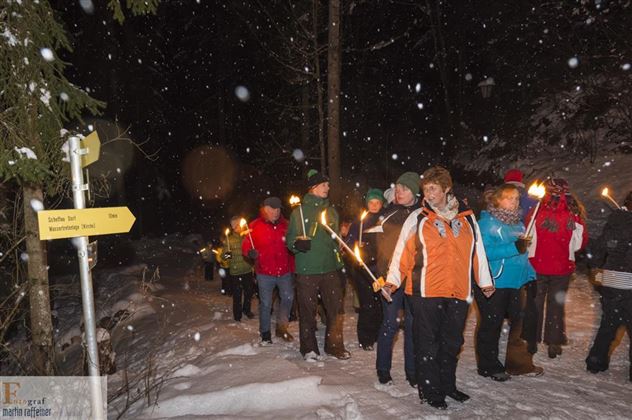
(427, 211)
(312, 200)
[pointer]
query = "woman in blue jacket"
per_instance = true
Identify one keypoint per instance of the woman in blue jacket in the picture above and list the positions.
(502, 231)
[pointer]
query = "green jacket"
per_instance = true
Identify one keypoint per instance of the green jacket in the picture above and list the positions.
(324, 255)
(238, 265)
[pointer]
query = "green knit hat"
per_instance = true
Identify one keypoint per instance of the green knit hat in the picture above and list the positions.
(374, 194)
(410, 180)
(314, 178)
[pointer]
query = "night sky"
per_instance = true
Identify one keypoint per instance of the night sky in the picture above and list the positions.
(213, 91)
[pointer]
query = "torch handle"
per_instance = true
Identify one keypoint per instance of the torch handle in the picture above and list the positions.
(300, 207)
(532, 221)
(386, 295)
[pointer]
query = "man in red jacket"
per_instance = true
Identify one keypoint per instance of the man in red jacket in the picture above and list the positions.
(274, 266)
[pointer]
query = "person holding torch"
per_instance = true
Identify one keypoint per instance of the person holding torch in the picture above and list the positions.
(240, 271)
(370, 313)
(558, 231)
(318, 263)
(438, 256)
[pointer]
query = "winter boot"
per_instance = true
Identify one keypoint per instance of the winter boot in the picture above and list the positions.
(284, 334)
(554, 350)
(459, 396)
(384, 376)
(266, 338)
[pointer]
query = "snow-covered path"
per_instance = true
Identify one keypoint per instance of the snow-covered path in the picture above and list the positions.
(213, 367)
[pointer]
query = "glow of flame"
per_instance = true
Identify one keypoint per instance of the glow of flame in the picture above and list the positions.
(364, 213)
(323, 217)
(356, 251)
(242, 223)
(294, 200)
(227, 231)
(605, 192)
(537, 190)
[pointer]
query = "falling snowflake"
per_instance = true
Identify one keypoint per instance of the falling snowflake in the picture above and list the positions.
(242, 93)
(573, 62)
(47, 54)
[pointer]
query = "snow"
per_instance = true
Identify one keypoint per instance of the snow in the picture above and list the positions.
(228, 374)
(25, 152)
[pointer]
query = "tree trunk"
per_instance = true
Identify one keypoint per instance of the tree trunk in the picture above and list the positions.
(333, 103)
(39, 299)
(305, 123)
(319, 92)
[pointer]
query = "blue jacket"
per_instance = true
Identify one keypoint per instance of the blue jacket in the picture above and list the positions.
(510, 269)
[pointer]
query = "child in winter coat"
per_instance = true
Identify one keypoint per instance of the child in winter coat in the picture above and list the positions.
(503, 231)
(559, 231)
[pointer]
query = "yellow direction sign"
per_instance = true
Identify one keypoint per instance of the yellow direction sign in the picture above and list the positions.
(70, 223)
(93, 144)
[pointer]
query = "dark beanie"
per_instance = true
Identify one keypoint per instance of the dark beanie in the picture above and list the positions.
(410, 180)
(374, 194)
(314, 178)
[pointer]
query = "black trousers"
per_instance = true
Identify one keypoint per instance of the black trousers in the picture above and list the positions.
(550, 302)
(616, 306)
(370, 315)
(330, 288)
(504, 303)
(438, 325)
(243, 287)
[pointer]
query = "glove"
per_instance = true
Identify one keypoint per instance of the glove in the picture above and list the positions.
(253, 254)
(303, 245)
(522, 244)
(227, 255)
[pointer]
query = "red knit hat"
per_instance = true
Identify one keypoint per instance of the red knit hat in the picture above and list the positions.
(513, 175)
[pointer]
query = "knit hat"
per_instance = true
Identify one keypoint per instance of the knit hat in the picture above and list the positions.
(557, 186)
(374, 194)
(274, 202)
(410, 180)
(314, 178)
(513, 175)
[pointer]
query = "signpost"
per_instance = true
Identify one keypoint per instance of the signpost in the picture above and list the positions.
(80, 223)
(72, 223)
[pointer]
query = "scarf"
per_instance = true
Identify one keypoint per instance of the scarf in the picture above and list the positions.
(450, 210)
(508, 217)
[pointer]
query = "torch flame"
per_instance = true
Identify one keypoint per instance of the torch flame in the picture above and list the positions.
(364, 213)
(356, 252)
(294, 200)
(605, 192)
(323, 217)
(242, 223)
(537, 190)
(227, 231)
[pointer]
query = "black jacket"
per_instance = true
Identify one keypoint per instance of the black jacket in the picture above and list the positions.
(613, 249)
(384, 243)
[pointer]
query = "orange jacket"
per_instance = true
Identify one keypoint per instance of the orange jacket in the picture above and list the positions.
(439, 258)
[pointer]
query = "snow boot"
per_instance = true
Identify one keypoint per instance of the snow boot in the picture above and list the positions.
(284, 334)
(555, 350)
(384, 376)
(459, 396)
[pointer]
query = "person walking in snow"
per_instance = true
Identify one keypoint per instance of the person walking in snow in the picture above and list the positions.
(559, 232)
(502, 231)
(439, 253)
(274, 266)
(318, 263)
(514, 177)
(240, 271)
(384, 238)
(370, 305)
(612, 252)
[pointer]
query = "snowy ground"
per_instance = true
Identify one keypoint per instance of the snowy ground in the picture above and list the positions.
(189, 359)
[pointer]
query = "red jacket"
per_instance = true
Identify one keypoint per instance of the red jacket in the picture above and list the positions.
(269, 239)
(558, 233)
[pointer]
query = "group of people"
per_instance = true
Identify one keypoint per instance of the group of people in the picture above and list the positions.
(433, 257)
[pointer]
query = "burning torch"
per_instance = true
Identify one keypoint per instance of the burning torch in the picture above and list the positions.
(294, 200)
(362, 216)
(242, 224)
(538, 191)
(606, 194)
(378, 284)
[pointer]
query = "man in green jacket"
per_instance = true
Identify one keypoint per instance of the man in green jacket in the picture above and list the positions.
(318, 262)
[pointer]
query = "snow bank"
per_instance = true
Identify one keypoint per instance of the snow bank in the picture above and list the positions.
(254, 399)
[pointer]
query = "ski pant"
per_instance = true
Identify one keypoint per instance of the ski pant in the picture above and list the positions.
(492, 311)
(616, 306)
(552, 291)
(266, 285)
(388, 329)
(438, 325)
(243, 286)
(370, 315)
(330, 288)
